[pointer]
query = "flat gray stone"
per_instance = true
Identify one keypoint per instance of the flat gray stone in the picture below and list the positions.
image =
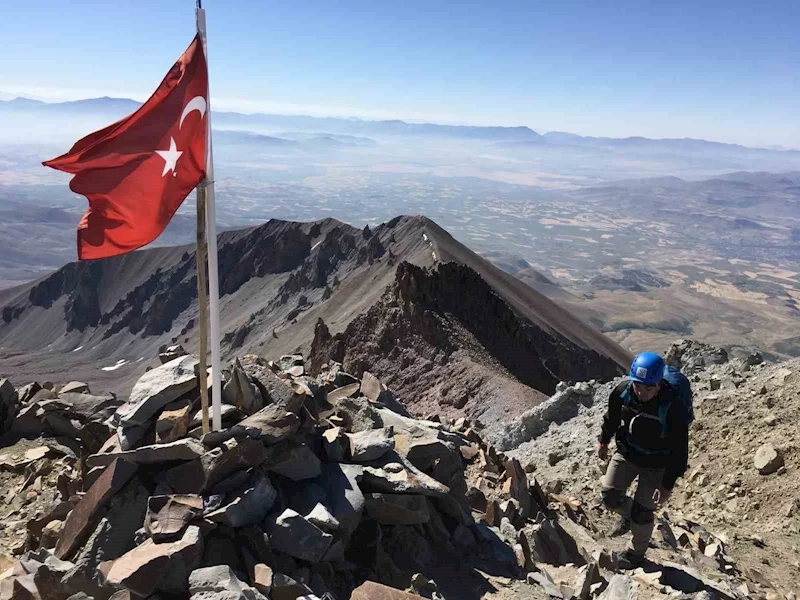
(371, 445)
(292, 534)
(249, 507)
(295, 461)
(395, 474)
(344, 498)
(157, 388)
(274, 422)
(398, 509)
(241, 392)
(151, 567)
(77, 387)
(179, 450)
(220, 583)
(621, 587)
(227, 411)
(322, 518)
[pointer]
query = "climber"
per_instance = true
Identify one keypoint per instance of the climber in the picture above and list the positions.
(649, 417)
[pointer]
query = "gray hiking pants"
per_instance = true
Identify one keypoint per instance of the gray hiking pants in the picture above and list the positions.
(641, 510)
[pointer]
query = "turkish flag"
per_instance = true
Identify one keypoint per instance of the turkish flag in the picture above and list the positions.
(137, 172)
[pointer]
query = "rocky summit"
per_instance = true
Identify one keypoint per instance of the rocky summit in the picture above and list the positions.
(328, 487)
(450, 332)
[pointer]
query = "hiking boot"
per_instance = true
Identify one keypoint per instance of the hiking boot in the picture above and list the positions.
(622, 527)
(629, 560)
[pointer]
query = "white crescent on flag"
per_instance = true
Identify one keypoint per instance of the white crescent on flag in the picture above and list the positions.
(197, 103)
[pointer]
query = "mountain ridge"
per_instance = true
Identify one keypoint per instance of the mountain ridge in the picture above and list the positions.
(279, 280)
(521, 135)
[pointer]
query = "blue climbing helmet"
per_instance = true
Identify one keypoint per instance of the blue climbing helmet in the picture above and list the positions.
(647, 368)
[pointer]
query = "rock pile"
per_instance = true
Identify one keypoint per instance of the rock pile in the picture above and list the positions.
(327, 488)
(317, 487)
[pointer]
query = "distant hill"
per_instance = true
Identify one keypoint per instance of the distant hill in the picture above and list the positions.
(520, 137)
(684, 145)
(119, 107)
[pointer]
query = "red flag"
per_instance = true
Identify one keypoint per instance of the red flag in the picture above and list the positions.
(137, 172)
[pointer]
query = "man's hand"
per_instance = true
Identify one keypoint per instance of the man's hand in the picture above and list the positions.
(602, 451)
(661, 496)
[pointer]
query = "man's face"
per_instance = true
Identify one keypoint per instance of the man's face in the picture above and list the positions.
(645, 393)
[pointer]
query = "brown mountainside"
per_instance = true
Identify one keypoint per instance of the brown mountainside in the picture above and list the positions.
(405, 284)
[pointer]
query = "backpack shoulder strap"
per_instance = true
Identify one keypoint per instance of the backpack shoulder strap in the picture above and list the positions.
(624, 391)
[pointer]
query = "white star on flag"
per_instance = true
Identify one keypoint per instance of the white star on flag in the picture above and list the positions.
(170, 157)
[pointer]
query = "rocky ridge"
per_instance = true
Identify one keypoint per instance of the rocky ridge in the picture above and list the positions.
(327, 487)
(741, 483)
(401, 299)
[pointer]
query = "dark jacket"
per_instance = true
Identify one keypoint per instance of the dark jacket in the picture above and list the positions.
(640, 435)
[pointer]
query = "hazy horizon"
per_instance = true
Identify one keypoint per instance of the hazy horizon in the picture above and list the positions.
(720, 71)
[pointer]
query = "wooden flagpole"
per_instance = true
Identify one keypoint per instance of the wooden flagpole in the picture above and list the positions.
(202, 302)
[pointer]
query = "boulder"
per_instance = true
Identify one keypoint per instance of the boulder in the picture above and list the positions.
(292, 534)
(130, 437)
(27, 391)
(286, 588)
(561, 407)
(519, 487)
(369, 590)
(220, 583)
(153, 566)
(249, 506)
(167, 516)
(620, 587)
(348, 391)
(262, 578)
(240, 391)
(344, 498)
(80, 522)
(9, 405)
(215, 439)
(180, 450)
(204, 473)
(274, 422)
(767, 459)
(588, 575)
(397, 509)
(371, 386)
(543, 579)
(114, 536)
(395, 474)
(77, 387)
(227, 410)
(274, 389)
(170, 353)
(288, 361)
(292, 460)
(335, 444)
(157, 388)
(322, 518)
(367, 446)
(358, 414)
(173, 422)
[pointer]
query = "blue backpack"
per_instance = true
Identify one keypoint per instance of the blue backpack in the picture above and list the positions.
(681, 394)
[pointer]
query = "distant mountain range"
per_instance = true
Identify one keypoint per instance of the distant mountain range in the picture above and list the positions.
(511, 138)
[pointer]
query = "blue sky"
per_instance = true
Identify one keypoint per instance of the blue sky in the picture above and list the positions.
(727, 71)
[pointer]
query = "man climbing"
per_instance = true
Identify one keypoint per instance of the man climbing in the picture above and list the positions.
(649, 416)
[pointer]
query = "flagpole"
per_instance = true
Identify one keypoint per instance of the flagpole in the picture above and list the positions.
(211, 228)
(202, 303)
